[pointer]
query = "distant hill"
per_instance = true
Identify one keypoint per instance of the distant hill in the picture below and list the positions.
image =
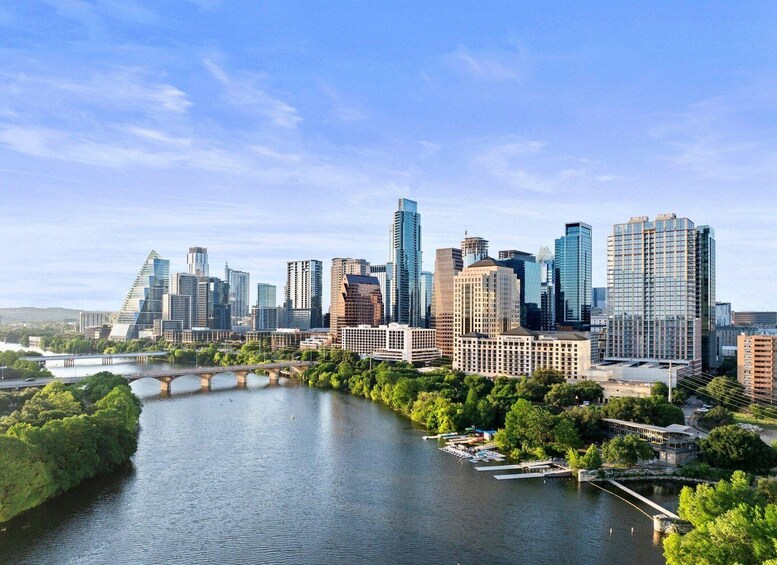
(37, 315)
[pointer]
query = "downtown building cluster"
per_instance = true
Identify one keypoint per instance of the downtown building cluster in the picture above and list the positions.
(507, 314)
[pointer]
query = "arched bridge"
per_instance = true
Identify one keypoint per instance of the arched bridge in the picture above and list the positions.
(167, 376)
(273, 370)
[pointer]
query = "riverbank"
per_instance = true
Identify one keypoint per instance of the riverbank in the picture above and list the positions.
(62, 436)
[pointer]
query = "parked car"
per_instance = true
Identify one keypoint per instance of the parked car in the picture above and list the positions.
(29, 380)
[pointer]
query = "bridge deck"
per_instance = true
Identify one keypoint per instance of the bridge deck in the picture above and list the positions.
(75, 357)
(645, 500)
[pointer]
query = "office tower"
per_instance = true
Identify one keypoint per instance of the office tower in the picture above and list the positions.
(723, 314)
(239, 290)
(447, 264)
(302, 304)
(185, 284)
(342, 266)
(547, 289)
(528, 271)
(384, 274)
(757, 366)
(653, 292)
(219, 308)
(197, 259)
(705, 253)
(486, 299)
(202, 310)
(573, 277)
(178, 308)
(406, 257)
(473, 249)
(599, 298)
(427, 290)
(143, 303)
(360, 304)
(91, 320)
(266, 295)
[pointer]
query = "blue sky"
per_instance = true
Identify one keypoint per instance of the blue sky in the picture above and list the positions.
(272, 131)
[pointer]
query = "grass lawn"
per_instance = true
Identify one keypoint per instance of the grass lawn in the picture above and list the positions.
(765, 423)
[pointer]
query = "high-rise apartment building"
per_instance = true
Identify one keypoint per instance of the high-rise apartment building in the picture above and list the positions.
(447, 264)
(239, 292)
(473, 249)
(705, 253)
(757, 366)
(653, 288)
(528, 271)
(197, 259)
(219, 307)
(361, 303)
(405, 255)
(427, 290)
(143, 303)
(302, 302)
(342, 266)
(573, 276)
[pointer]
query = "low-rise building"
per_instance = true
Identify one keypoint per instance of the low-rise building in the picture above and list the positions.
(392, 342)
(675, 444)
(519, 352)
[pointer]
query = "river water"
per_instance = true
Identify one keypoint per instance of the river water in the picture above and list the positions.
(280, 473)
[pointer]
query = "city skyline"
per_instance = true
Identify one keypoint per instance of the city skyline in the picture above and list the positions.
(276, 140)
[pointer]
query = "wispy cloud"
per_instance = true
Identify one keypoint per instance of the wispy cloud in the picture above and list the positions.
(245, 92)
(488, 65)
(91, 13)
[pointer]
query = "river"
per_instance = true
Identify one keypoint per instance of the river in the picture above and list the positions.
(280, 473)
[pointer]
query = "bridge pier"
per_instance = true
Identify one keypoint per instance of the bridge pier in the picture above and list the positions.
(274, 374)
(205, 380)
(165, 385)
(107, 360)
(242, 378)
(70, 362)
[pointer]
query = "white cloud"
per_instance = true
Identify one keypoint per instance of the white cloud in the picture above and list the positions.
(244, 91)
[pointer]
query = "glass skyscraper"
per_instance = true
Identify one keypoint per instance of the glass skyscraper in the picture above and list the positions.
(197, 259)
(239, 289)
(143, 303)
(406, 257)
(384, 274)
(525, 266)
(427, 285)
(706, 255)
(573, 276)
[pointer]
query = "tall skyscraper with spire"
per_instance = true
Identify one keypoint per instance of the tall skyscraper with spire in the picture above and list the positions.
(405, 255)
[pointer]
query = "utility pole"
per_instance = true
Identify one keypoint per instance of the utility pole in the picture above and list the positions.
(670, 381)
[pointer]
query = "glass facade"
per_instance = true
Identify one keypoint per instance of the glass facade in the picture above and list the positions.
(406, 257)
(473, 249)
(528, 271)
(384, 274)
(239, 289)
(573, 276)
(427, 286)
(266, 295)
(706, 255)
(197, 259)
(143, 303)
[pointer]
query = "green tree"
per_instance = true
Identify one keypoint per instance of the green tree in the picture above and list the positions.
(731, 447)
(565, 436)
(626, 450)
(527, 427)
(592, 458)
(716, 417)
(561, 395)
(756, 410)
(660, 390)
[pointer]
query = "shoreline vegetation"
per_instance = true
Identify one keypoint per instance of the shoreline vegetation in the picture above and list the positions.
(53, 439)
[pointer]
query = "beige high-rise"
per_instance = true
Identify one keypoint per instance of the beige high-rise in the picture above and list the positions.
(447, 264)
(343, 266)
(486, 302)
(757, 366)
